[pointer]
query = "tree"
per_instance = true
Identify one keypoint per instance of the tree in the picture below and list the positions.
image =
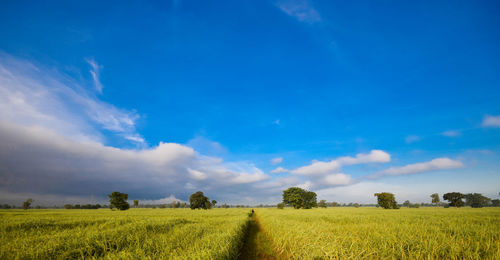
(136, 203)
(407, 203)
(322, 204)
(435, 198)
(299, 198)
(455, 199)
(27, 203)
(198, 201)
(476, 200)
(356, 205)
(495, 203)
(118, 200)
(386, 200)
(213, 203)
(281, 205)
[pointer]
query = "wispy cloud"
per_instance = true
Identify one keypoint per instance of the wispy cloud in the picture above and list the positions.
(433, 165)
(95, 72)
(411, 139)
(491, 121)
(276, 160)
(32, 95)
(279, 170)
(451, 133)
(303, 11)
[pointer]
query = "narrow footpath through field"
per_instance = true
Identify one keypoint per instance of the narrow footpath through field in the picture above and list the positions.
(256, 244)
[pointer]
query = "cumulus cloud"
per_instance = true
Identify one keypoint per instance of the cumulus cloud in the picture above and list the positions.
(279, 170)
(337, 179)
(322, 168)
(38, 160)
(276, 160)
(433, 165)
(95, 71)
(451, 133)
(491, 121)
(303, 11)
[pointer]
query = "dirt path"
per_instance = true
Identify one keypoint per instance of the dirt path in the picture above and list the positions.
(257, 245)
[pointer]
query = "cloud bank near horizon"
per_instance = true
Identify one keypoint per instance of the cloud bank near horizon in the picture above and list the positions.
(53, 146)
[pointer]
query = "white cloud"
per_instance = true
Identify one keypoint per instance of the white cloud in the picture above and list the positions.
(276, 160)
(197, 175)
(333, 166)
(317, 168)
(451, 133)
(279, 170)
(95, 71)
(301, 10)
(491, 121)
(411, 139)
(433, 165)
(166, 200)
(34, 96)
(338, 179)
(375, 156)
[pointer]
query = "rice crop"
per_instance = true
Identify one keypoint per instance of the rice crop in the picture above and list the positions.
(136, 233)
(361, 233)
(332, 233)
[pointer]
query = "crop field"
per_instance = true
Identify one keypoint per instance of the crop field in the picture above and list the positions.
(361, 233)
(332, 233)
(135, 233)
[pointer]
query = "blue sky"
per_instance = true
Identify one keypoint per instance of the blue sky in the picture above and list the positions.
(163, 99)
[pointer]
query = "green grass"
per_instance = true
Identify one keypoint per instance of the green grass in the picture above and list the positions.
(136, 233)
(333, 233)
(360, 233)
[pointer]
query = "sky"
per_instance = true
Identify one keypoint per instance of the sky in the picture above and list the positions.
(243, 99)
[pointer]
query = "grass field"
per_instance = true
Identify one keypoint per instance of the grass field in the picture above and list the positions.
(345, 233)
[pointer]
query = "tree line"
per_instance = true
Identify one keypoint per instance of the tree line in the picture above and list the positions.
(294, 197)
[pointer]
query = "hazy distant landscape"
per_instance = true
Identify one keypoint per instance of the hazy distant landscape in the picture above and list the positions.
(261, 129)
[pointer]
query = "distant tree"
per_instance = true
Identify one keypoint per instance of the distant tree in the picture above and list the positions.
(356, 205)
(407, 203)
(213, 203)
(118, 200)
(68, 206)
(27, 203)
(476, 200)
(495, 203)
(136, 203)
(280, 205)
(299, 198)
(455, 199)
(416, 205)
(435, 198)
(322, 204)
(198, 201)
(224, 206)
(6, 206)
(386, 200)
(334, 204)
